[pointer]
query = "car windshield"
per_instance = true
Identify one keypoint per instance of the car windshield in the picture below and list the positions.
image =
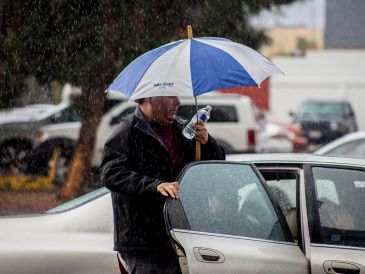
(321, 110)
(78, 201)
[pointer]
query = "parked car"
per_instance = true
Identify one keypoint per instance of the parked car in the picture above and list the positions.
(23, 114)
(232, 123)
(269, 213)
(37, 161)
(324, 121)
(19, 128)
(281, 137)
(352, 144)
(76, 237)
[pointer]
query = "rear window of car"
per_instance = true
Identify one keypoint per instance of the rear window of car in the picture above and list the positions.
(218, 114)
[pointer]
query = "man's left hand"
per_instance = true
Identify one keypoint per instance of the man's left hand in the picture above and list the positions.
(201, 132)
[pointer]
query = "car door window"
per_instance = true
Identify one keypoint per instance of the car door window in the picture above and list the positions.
(228, 199)
(283, 185)
(340, 203)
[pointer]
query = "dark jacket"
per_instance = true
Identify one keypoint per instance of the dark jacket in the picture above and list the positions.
(134, 162)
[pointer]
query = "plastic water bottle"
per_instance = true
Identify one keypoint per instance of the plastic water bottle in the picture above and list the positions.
(203, 114)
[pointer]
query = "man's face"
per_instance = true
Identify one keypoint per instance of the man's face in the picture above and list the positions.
(164, 109)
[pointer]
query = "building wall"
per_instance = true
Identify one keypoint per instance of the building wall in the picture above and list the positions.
(326, 74)
(345, 23)
(258, 95)
(284, 40)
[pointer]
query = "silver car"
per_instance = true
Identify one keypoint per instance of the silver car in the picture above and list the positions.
(352, 144)
(284, 213)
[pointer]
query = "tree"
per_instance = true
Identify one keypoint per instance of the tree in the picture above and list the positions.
(87, 43)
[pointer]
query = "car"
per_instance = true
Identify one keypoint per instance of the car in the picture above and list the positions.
(19, 129)
(23, 114)
(352, 144)
(232, 123)
(254, 213)
(76, 237)
(281, 137)
(325, 120)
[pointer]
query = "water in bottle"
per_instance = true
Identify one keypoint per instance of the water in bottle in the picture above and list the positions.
(203, 114)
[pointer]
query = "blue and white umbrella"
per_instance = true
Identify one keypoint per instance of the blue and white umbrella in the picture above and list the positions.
(192, 67)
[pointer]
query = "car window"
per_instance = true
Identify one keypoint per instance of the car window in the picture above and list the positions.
(71, 114)
(219, 113)
(111, 103)
(118, 118)
(353, 148)
(340, 198)
(283, 185)
(321, 109)
(348, 111)
(228, 199)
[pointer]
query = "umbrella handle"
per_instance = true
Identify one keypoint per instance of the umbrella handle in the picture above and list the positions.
(197, 151)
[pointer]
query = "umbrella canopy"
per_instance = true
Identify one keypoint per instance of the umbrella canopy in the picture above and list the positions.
(192, 67)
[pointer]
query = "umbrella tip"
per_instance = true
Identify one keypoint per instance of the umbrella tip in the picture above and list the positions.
(190, 31)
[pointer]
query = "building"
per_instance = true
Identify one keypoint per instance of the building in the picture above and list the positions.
(323, 74)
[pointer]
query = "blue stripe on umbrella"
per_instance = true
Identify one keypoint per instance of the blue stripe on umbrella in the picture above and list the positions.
(213, 68)
(129, 78)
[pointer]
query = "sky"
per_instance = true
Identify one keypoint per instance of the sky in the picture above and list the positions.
(308, 13)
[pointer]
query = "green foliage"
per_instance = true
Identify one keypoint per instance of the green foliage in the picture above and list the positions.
(78, 41)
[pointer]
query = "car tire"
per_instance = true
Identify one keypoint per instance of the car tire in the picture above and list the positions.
(14, 156)
(41, 159)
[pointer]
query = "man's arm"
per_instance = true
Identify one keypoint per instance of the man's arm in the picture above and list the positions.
(117, 176)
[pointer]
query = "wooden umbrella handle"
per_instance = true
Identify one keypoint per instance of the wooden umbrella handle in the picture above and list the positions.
(197, 151)
(197, 143)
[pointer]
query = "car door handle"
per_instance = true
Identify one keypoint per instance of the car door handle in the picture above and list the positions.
(341, 267)
(345, 268)
(208, 255)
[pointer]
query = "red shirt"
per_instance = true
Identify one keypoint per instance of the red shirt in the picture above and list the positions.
(169, 137)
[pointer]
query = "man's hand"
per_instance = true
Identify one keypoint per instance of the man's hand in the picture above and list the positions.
(169, 189)
(201, 132)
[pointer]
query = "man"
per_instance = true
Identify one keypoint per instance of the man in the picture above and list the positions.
(140, 164)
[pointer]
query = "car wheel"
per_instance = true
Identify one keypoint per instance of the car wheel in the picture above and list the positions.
(13, 156)
(63, 166)
(41, 160)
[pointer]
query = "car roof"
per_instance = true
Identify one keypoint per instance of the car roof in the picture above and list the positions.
(295, 158)
(347, 138)
(325, 101)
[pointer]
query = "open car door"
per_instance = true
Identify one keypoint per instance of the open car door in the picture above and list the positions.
(226, 221)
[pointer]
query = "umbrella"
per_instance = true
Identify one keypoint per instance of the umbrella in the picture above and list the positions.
(191, 67)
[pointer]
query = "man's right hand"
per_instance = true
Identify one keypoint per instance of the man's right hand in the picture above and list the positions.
(169, 189)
